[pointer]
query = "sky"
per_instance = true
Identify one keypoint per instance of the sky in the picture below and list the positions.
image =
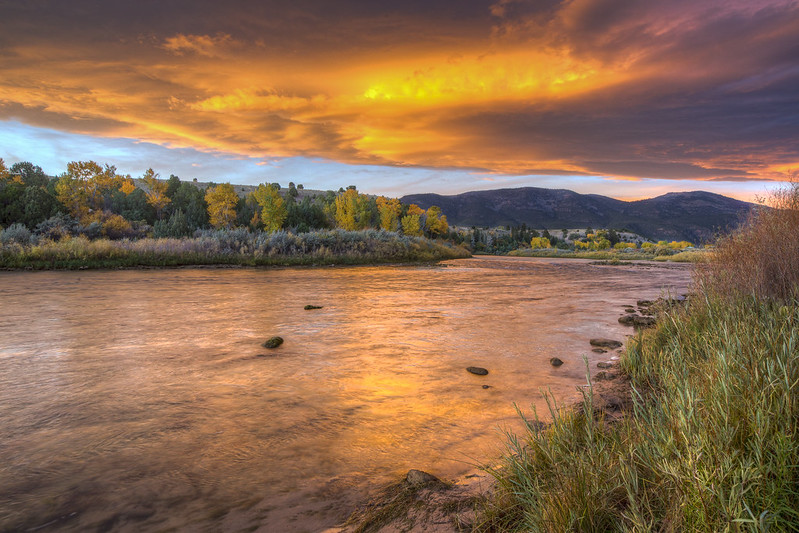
(627, 98)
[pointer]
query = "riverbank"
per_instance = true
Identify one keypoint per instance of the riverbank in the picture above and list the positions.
(674, 436)
(709, 439)
(235, 247)
(618, 256)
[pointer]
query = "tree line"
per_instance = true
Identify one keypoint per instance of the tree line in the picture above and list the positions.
(96, 201)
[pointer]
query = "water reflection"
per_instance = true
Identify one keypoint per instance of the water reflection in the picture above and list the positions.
(135, 400)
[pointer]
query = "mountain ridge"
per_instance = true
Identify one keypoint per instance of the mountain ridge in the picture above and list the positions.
(696, 216)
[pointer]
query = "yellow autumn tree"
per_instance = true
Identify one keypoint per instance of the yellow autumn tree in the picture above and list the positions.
(156, 192)
(436, 221)
(127, 186)
(222, 201)
(352, 210)
(540, 242)
(389, 210)
(4, 173)
(412, 221)
(86, 187)
(273, 207)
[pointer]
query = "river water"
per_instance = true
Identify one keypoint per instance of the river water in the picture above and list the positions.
(142, 399)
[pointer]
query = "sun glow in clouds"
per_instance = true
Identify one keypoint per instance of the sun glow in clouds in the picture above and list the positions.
(629, 90)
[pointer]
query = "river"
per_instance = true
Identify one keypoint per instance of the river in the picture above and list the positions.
(142, 400)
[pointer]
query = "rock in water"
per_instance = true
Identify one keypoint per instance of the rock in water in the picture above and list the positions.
(627, 320)
(274, 342)
(477, 371)
(419, 478)
(555, 361)
(309, 307)
(604, 365)
(605, 343)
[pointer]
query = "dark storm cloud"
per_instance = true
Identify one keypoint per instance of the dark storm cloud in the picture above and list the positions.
(675, 89)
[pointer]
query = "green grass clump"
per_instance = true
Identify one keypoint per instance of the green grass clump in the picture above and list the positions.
(712, 442)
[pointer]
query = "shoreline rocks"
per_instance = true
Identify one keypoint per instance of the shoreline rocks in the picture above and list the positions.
(605, 343)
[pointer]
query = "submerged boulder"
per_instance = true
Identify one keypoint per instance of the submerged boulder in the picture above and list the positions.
(476, 370)
(273, 342)
(309, 307)
(555, 361)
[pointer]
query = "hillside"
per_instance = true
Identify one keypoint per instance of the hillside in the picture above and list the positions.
(694, 216)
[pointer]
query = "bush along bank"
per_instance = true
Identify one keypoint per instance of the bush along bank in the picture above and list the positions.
(228, 247)
(711, 441)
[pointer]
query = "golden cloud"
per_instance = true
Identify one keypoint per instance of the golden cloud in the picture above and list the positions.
(204, 45)
(584, 87)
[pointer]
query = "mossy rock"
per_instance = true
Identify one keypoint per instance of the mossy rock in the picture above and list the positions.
(274, 342)
(309, 307)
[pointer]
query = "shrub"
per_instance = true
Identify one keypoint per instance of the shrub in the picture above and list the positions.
(58, 227)
(17, 233)
(761, 258)
(116, 227)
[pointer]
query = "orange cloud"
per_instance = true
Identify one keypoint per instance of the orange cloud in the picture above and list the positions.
(630, 90)
(204, 45)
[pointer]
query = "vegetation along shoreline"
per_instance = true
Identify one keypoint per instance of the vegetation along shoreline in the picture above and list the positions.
(705, 438)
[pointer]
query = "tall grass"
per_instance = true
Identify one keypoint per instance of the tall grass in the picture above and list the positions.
(229, 247)
(712, 440)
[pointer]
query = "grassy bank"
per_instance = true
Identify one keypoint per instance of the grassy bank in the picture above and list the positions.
(694, 256)
(234, 247)
(712, 442)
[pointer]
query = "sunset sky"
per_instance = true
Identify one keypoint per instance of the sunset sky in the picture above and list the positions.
(625, 98)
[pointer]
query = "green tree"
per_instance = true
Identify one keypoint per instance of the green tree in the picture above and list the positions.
(273, 208)
(173, 184)
(32, 175)
(176, 226)
(306, 215)
(39, 205)
(222, 200)
(191, 201)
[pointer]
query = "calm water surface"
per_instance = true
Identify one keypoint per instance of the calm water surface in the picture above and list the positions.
(142, 400)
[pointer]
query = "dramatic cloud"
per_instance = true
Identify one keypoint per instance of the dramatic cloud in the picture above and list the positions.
(674, 90)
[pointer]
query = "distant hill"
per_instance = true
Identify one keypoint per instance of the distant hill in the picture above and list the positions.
(694, 216)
